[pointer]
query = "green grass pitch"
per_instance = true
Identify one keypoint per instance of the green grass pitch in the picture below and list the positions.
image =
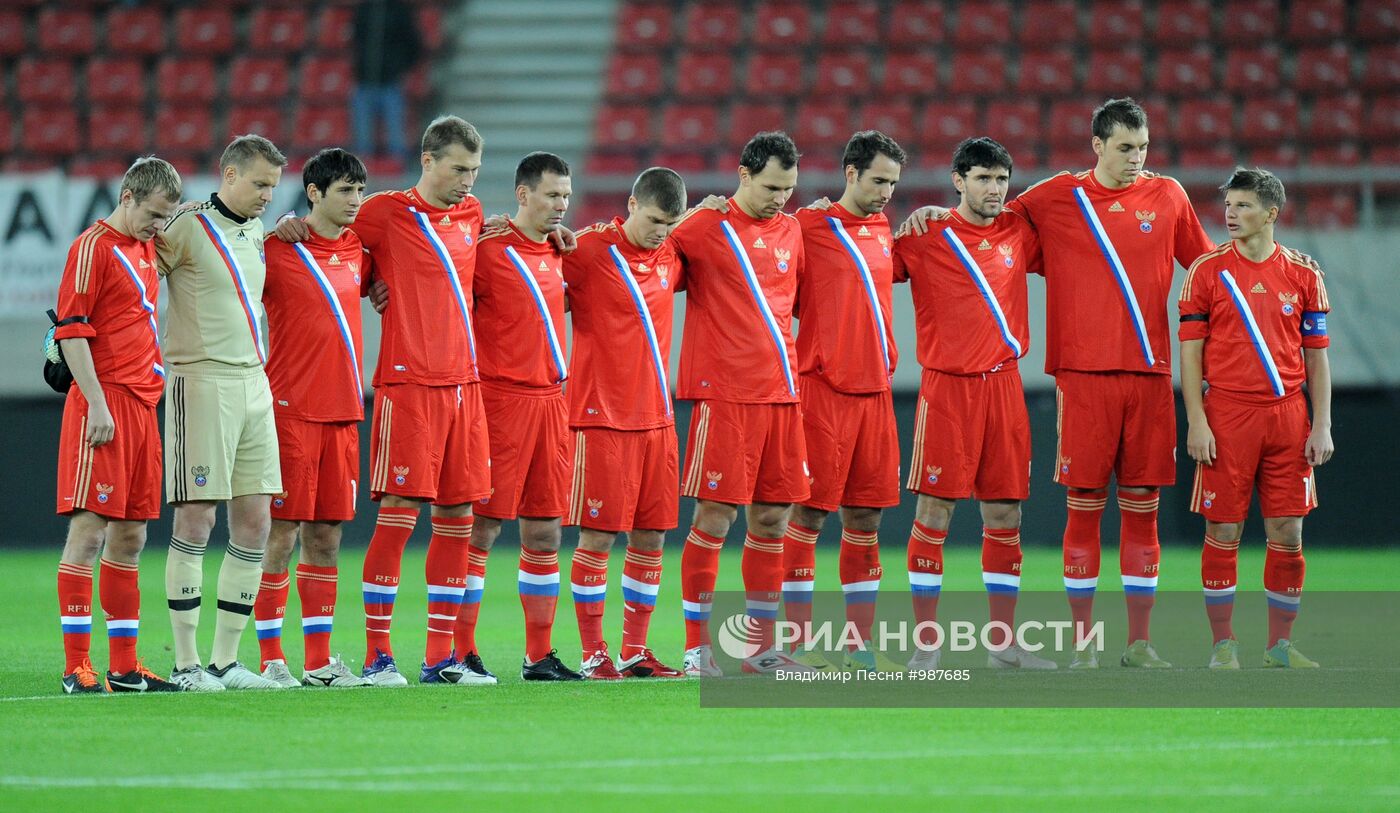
(642, 745)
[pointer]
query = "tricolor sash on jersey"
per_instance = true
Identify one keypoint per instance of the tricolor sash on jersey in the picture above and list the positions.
(435, 243)
(867, 282)
(985, 288)
(625, 272)
(751, 277)
(556, 350)
(1120, 274)
(239, 283)
(1256, 336)
(337, 311)
(146, 305)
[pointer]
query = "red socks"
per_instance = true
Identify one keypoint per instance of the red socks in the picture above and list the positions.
(588, 580)
(799, 574)
(762, 567)
(381, 575)
(316, 589)
(1138, 556)
(1001, 575)
(926, 575)
(464, 633)
(699, 570)
(1081, 555)
(1219, 576)
(120, 591)
(446, 572)
(641, 580)
(1283, 586)
(75, 613)
(269, 609)
(538, 583)
(860, 578)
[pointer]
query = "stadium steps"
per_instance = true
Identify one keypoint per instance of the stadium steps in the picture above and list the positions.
(529, 76)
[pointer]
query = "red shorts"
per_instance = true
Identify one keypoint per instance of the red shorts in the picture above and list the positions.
(852, 447)
(430, 443)
(1256, 444)
(624, 479)
(1122, 424)
(531, 454)
(972, 437)
(320, 470)
(746, 453)
(120, 479)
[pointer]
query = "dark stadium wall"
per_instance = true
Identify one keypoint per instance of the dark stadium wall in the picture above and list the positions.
(1353, 488)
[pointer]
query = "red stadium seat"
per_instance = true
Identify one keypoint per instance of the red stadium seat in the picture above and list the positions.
(186, 79)
(1204, 121)
(335, 28)
(1317, 21)
(916, 24)
(66, 32)
(1334, 211)
(983, 23)
(682, 161)
(1272, 155)
(277, 30)
(1384, 155)
(1269, 121)
(136, 31)
(1335, 154)
(1250, 21)
(1158, 115)
(627, 162)
(1046, 73)
(910, 74)
(1048, 22)
(852, 23)
(317, 126)
(598, 208)
(1322, 69)
(747, 118)
(265, 120)
(689, 126)
(50, 133)
(183, 131)
(100, 168)
(1116, 23)
(622, 126)
(843, 74)
(1114, 72)
(1253, 71)
(705, 76)
(1377, 21)
(117, 130)
(1334, 117)
(634, 76)
(206, 31)
(893, 118)
(416, 85)
(781, 25)
(942, 127)
(13, 41)
(116, 81)
(644, 26)
(1383, 119)
(1070, 159)
(326, 80)
(1069, 123)
(979, 73)
(823, 126)
(714, 25)
(45, 82)
(1016, 124)
(258, 79)
(1185, 73)
(1182, 23)
(1213, 156)
(430, 28)
(1382, 68)
(7, 128)
(774, 75)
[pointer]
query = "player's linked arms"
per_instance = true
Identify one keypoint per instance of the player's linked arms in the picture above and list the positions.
(562, 236)
(918, 220)
(821, 204)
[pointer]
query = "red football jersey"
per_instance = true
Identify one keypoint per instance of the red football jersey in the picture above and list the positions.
(969, 289)
(620, 303)
(1255, 318)
(111, 279)
(740, 282)
(312, 297)
(426, 255)
(845, 335)
(1108, 268)
(520, 310)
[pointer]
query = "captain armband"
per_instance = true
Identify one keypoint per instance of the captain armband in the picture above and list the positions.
(1314, 323)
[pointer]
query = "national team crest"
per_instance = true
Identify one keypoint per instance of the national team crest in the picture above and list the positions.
(1064, 465)
(104, 492)
(1290, 301)
(400, 475)
(594, 506)
(933, 473)
(663, 272)
(1006, 252)
(1145, 219)
(884, 243)
(487, 498)
(712, 479)
(1209, 498)
(782, 255)
(201, 475)
(280, 500)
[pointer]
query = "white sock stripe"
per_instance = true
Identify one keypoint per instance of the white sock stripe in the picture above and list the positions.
(538, 578)
(123, 623)
(75, 619)
(1007, 579)
(632, 584)
(267, 624)
(476, 582)
(799, 587)
(315, 620)
(761, 605)
(696, 606)
(381, 589)
(1139, 581)
(441, 617)
(860, 587)
(588, 589)
(1284, 597)
(1082, 584)
(921, 579)
(1222, 591)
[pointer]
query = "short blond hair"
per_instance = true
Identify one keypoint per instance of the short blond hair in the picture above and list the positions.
(242, 151)
(444, 131)
(150, 175)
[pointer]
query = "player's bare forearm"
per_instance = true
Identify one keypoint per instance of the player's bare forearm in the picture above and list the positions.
(1200, 440)
(1319, 447)
(78, 355)
(917, 221)
(564, 239)
(292, 229)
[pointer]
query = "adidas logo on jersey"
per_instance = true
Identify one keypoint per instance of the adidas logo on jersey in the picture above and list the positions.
(446, 221)
(984, 246)
(1116, 207)
(864, 232)
(334, 260)
(1258, 288)
(144, 264)
(759, 243)
(544, 267)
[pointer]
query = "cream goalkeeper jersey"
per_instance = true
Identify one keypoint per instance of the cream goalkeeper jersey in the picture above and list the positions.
(213, 261)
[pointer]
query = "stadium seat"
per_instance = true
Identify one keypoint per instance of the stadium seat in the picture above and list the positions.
(1334, 211)
(45, 82)
(316, 126)
(1384, 155)
(747, 118)
(183, 131)
(66, 32)
(1158, 115)
(1069, 159)
(598, 208)
(916, 24)
(1322, 69)
(1317, 21)
(82, 166)
(7, 130)
(1115, 23)
(258, 79)
(1268, 121)
(982, 23)
(843, 74)
(1114, 72)
(823, 125)
(704, 76)
(1182, 23)
(326, 80)
(941, 128)
(138, 31)
(682, 161)
(51, 133)
(264, 119)
(634, 76)
(1204, 121)
(116, 130)
(781, 25)
(910, 73)
(893, 118)
(1249, 22)
(116, 81)
(852, 24)
(1069, 123)
(277, 30)
(13, 40)
(689, 126)
(1272, 155)
(1211, 156)
(1334, 117)
(335, 28)
(1377, 21)
(1383, 118)
(714, 25)
(1334, 154)
(1185, 73)
(1046, 73)
(772, 74)
(206, 31)
(430, 28)
(644, 26)
(1253, 71)
(1048, 22)
(416, 85)
(1381, 71)
(978, 73)
(186, 80)
(627, 162)
(1016, 124)
(623, 126)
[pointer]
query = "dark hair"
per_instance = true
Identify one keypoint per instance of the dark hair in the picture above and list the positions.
(533, 167)
(865, 145)
(980, 152)
(769, 144)
(444, 131)
(1261, 182)
(1115, 112)
(662, 188)
(330, 165)
(242, 151)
